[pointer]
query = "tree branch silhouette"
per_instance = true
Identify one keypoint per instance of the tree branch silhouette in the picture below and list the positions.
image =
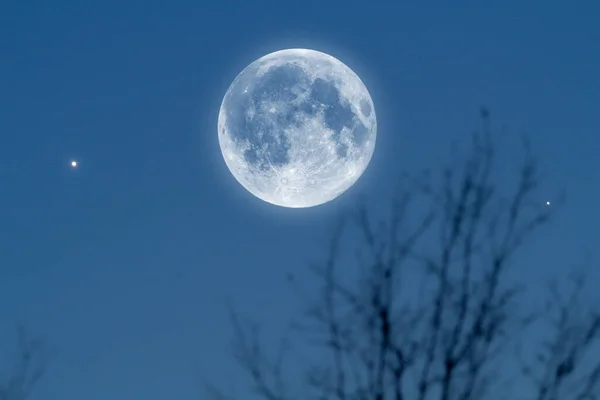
(381, 337)
(26, 372)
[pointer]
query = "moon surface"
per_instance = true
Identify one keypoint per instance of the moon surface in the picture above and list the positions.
(297, 128)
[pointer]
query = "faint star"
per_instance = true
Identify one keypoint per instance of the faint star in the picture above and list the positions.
(547, 203)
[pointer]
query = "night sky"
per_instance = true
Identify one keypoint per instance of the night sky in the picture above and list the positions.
(124, 265)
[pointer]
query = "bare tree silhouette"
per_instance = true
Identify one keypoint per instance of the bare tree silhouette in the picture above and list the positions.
(567, 366)
(27, 371)
(434, 313)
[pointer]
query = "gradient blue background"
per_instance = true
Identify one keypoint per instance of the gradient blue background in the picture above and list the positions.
(123, 265)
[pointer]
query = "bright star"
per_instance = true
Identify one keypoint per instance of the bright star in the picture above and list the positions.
(74, 164)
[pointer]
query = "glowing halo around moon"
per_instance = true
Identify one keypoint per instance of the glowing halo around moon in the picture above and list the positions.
(297, 128)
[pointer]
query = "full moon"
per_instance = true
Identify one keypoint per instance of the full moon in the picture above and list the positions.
(297, 128)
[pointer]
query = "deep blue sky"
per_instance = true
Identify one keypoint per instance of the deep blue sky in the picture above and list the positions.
(124, 264)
